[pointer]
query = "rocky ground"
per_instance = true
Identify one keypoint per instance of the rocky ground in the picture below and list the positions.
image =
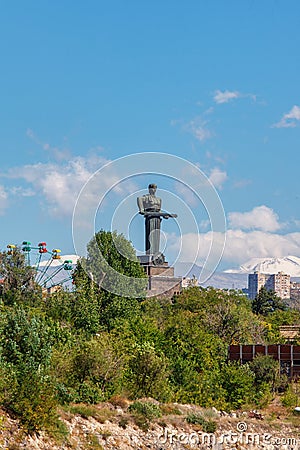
(112, 426)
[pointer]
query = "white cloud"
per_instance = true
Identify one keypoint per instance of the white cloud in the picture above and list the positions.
(58, 153)
(60, 184)
(190, 247)
(3, 200)
(253, 234)
(240, 246)
(225, 96)
(218, 177)
(19, 191)
(240, 184)
(260, 218)
(208, 111)
(217, 158)
(289, 120)
(198, 128)
(186, 194)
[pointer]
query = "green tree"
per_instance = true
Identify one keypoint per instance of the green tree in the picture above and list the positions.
(111, 262)
(18, 283)
(26, 351)
(192, 351)
(90, 370)
(237, 383)
(59, 306)
(118, 310)
(278, 318)
(25, 340)
(111, 265)
(267, 372)
(225, 313)
(86, 309)
(148, 372)
(267, 302)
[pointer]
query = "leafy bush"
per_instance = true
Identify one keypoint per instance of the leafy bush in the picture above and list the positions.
(209, 414)
(237, 381)
(147, 409)
(25, 351)
(88, 392)
(195, 419)
(34, 403)
(64, 395)
(148, 372)
(143, 413)
(8, 382)
(25, 340)
(83, 410)
(291, 397)
(86, 411)
(208, 426)
(89, 371)
(266, 370)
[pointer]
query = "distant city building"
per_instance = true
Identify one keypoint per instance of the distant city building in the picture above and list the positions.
(279, 282)
(189, 282)
(295, 291)
(256, 281)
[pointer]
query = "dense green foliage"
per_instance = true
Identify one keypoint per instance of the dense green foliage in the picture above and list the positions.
(267, 302)
(18, 279)
(113, 267)
(88, 345)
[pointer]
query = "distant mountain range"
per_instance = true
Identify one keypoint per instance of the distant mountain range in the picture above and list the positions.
(287, 264)
(221, 280)
(228, 279)
(238, 278)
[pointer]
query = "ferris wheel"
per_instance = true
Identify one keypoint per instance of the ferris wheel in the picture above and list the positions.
(50, 269)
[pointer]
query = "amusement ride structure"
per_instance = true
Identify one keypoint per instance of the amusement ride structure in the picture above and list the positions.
(50, 270)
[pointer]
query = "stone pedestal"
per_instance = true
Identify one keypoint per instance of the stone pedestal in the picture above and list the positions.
(161, 280)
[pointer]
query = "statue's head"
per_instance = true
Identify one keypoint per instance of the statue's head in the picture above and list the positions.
(152, 188)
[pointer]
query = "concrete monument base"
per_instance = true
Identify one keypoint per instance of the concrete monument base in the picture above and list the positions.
(161, 280)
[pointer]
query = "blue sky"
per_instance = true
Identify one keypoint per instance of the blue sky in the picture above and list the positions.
(214, 82)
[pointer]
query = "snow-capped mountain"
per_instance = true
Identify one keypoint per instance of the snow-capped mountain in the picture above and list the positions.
(238, 278)
(287, 264)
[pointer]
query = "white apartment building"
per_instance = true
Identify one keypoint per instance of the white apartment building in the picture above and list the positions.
(278, 282)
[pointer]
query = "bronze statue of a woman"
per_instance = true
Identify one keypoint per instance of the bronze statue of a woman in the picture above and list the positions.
(150, 207)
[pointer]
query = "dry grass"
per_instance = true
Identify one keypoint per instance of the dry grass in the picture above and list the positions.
(169, 409)
(101, 414)
(92, 443)
(119, 401)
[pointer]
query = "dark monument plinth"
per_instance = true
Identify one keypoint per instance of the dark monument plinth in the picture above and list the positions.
(161, 279)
